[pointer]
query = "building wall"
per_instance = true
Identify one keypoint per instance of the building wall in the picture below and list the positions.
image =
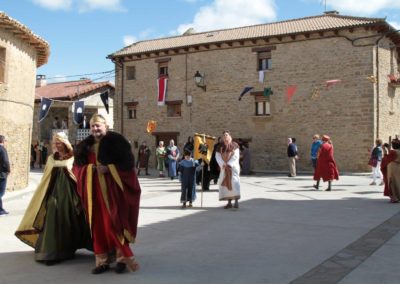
(16, 105)
(346, 111)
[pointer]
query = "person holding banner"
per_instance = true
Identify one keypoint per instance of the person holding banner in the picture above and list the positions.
(229, 179)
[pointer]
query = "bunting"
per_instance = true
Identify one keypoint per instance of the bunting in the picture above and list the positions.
(245, 90)
(104, 99)
(45, 105)
(79, 107)
(162, 83)
(268, 92)
(291, 90)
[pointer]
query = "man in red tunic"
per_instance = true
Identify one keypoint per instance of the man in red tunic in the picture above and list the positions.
(326, 165)
(110, 192)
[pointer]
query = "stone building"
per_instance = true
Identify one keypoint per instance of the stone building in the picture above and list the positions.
(21, 52)
(63, 95)
(328, 74)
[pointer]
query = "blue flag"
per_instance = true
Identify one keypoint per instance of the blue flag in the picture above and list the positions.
(245, 90)
(44, 108)
(104, 98)
(79, 107)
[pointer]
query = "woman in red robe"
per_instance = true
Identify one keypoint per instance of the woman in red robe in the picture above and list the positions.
(390, 168)
(326, 165)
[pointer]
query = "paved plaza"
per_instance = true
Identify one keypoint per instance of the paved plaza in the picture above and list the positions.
(283, 232)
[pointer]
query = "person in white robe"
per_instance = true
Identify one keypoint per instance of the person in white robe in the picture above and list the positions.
(227, 157)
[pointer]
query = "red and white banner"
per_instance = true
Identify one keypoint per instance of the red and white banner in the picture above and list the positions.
(162, 83)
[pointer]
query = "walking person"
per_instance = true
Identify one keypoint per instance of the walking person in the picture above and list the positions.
(109, 188)
(375, 162)
(4, 172)
(229, 179)
(187, 168)
(391, 172)
(161, 153)
(314, 150)
(326, 165)
(54, 222)
(292, 156)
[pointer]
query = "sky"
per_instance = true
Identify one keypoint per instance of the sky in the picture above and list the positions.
(82, 33)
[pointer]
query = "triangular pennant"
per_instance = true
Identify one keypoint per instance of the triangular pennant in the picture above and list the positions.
(268, 92)
(45, 105)
(79, 107)
(104, 99)
(290, 92)
(245, 90)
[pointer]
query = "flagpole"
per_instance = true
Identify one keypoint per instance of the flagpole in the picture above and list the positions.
(202, 175)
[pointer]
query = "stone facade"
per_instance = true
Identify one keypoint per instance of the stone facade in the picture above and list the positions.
(354, 112)
(17, 93)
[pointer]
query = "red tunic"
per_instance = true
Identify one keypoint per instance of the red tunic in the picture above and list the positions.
(387, 159)
(326, 165)
(115, 226)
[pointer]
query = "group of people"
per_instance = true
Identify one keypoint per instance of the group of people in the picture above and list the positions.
(87, 198)
(39, 153)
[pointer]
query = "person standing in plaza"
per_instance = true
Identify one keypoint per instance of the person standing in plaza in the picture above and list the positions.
(187, 168)
(143, 158)
(390, 167)
(228, 157)
(54, 222)
(161, 154)
(292, 156)
(4, 172)
(375, 162)
(110, 192)
(314, 150)
(214, 167)
(173, 156)
(189, 145)
(326, 165)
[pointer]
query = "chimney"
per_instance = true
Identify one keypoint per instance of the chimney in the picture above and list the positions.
(333, 12)
(41, 80)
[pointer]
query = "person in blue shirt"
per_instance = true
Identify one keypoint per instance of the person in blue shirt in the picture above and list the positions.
(187, 168)
(314, 149)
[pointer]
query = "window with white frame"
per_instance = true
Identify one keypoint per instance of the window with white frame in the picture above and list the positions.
(262, 105)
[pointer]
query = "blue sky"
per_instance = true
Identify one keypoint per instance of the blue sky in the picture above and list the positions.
(81, 33)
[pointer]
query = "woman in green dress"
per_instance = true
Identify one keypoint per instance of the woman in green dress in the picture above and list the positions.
(54, 223)
(161, 153)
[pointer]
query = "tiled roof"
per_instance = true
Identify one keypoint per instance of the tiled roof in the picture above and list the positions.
(70, 90)
(21, 31)
(296, 26)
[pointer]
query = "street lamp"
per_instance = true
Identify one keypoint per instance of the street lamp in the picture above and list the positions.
(199, 80)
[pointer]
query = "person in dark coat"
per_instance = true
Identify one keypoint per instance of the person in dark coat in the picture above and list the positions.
(187, 168)
(4, 172)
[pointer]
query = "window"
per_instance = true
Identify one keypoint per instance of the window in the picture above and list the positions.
(163, 69)
(162, 66)
(264, 57)
(262, 106)
(2, 65)
(264, 60)
(132, 109)
(174, 108)
(130, 73)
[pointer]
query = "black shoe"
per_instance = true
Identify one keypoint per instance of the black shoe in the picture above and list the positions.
(315, 186)
(100, 269)
(120, 268)
(3, 212)
(328, 189)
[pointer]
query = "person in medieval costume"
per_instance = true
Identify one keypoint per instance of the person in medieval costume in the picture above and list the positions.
(143, 158)
(187, 168)
(173, 156)
(390, 167)
(161, 153)
(54, 223)
(109, 188)
(229, 179)
(326, 165)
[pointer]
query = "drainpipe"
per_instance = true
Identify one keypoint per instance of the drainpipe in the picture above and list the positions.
(377, 85)
(121, 65)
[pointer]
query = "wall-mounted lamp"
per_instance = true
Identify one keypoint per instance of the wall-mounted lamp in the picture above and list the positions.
(199, 80)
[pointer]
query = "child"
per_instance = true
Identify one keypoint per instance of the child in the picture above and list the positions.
(187, 167)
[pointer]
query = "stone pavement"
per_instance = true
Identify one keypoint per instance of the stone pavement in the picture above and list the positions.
(283, 232)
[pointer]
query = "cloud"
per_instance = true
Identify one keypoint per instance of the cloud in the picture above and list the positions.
(396, 25)
(54, 4)
(365, 7)
(231, 13)
(108, 5)
(129, 39)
